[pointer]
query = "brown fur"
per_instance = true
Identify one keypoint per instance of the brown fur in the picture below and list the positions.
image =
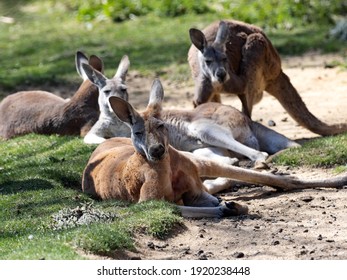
(130, 176)
(253, 66)
(45, 113)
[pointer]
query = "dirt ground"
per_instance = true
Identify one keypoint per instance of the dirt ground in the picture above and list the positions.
(310, 224)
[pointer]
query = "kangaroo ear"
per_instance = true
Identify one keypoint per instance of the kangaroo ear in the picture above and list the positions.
(198, 39)
(123, 110)
(156, 97)
(94, 76)
(123, 68)
(96, 63)
(80, 59)
(222, 34)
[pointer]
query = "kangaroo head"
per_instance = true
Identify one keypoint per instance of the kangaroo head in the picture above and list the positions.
(212, 57)
(148, 133)
(109, 87)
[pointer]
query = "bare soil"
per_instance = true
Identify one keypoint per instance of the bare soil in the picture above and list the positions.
(309, 224)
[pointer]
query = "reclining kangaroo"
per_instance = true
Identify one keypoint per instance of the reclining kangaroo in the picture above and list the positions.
(238, 58)
(211, 129)
(46, 113)
(147, 167)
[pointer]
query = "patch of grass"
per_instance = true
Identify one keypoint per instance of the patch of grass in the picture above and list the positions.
(155, 218)
(38, 49)
(40, 176)
(303, 39)
(322, 152)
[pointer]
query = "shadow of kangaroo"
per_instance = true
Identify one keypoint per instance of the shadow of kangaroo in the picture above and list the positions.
(146, 167)
(43, 112)
(238, 58)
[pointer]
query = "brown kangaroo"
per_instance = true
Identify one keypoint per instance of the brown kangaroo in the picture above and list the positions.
(147, 167)
(46, 113)
(238, 58)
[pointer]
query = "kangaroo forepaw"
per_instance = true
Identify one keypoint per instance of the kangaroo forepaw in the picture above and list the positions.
(234, 209)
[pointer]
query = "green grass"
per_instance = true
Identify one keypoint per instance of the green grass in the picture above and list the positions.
(40, 176)
(38, 49)
(326, 152)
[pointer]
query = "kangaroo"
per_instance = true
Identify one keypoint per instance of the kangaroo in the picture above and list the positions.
(237, 58)
(146, 167)
(107, 125)
(45, 113)
(211, 129)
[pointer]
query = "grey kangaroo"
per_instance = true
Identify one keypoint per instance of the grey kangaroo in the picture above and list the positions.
(237, 58)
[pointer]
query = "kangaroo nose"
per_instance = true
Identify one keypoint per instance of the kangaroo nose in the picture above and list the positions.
(221, 74)
(157, 151)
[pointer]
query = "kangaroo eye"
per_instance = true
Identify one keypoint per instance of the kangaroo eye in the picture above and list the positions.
(208, 61)
(123, 88)
(160, 126)
(138, 133)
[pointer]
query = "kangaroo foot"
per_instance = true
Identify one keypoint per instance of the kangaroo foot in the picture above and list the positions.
(234, 209)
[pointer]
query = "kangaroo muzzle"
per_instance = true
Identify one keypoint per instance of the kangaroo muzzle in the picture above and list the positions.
(156, 152)
(221, 75)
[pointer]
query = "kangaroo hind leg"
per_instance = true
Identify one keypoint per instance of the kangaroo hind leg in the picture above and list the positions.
(271, 141)
(218, 136)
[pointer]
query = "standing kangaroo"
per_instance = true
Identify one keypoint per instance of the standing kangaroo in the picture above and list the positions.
(46, 113)
(147, 167)
(234, 57)
(211, 129)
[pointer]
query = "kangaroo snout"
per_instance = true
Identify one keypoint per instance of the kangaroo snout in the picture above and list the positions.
(221, 75)
(156, 152)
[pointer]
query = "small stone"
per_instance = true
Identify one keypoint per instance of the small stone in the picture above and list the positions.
(276, 242)
(151, 245)
(307, 198)
(320, 237)
(239, 255)
(271, 123)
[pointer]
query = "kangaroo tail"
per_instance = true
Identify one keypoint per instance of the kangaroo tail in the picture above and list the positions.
(209, 168)
(289, 98)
